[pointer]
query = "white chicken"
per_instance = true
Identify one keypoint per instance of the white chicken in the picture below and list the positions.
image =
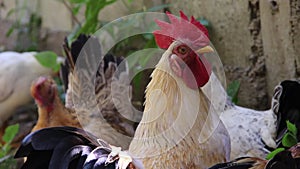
(254, 133)
(18, 70)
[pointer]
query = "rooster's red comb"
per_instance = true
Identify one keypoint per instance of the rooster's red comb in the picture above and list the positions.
(192, 32)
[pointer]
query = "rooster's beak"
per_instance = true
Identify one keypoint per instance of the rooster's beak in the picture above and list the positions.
(205, 49)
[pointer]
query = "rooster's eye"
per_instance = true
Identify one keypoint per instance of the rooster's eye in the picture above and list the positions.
(182, 50)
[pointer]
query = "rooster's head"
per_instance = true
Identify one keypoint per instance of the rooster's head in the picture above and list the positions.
(186, 41)
(44, 91)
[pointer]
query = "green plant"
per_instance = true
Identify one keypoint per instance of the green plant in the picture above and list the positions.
(273, 153)
(6, 157)
(48, 59)
(289, 139)
(27, 31)
(92, 9)
(233, 90)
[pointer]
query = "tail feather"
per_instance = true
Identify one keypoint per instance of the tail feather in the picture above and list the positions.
(287, 159)
(282, 160)
(76, 156)
(70, 148)
(37, 159)
(63, 147)
(285, 104)
(99, 90)
(241, 163)
(97, 159)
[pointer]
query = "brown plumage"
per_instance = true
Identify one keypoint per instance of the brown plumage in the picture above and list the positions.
(51, 111)
(99, 91)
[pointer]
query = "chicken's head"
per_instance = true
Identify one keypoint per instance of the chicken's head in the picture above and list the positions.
(186, 41)
(44, 91)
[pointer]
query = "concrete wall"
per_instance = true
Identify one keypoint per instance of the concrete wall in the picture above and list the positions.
(257, 40)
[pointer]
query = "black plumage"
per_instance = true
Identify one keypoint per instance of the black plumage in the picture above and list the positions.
(239, 163)
(289, 107)
(287, 159)
(64, 148)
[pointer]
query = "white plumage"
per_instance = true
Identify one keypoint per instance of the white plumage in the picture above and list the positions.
(17, 71)
(252, 131)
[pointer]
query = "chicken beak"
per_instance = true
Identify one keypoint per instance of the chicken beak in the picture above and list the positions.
(205, 49)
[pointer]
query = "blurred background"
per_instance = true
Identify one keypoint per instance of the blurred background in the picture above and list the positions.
(258, 41)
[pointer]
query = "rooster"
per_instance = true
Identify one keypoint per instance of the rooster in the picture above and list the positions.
(287, 159)
(18, 72)
(51, 111)
(255, 133)
(177, 129)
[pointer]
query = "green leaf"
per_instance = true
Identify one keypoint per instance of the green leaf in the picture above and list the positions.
(56, 67)
(10, 133)
(10, 12)
(48, 59)
(273, 153)
(77, 1)
(292, 128)
(289, 140)
(10, 31)
(76, 9)
(232, 90)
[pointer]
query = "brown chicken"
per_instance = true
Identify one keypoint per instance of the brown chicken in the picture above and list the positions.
(51, 111)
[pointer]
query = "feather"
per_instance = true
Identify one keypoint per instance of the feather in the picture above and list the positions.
(256, 133)
(76, 156)
(20, 70)
(236, 164)
(99, 91)
(63, 148)
(97, 159)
